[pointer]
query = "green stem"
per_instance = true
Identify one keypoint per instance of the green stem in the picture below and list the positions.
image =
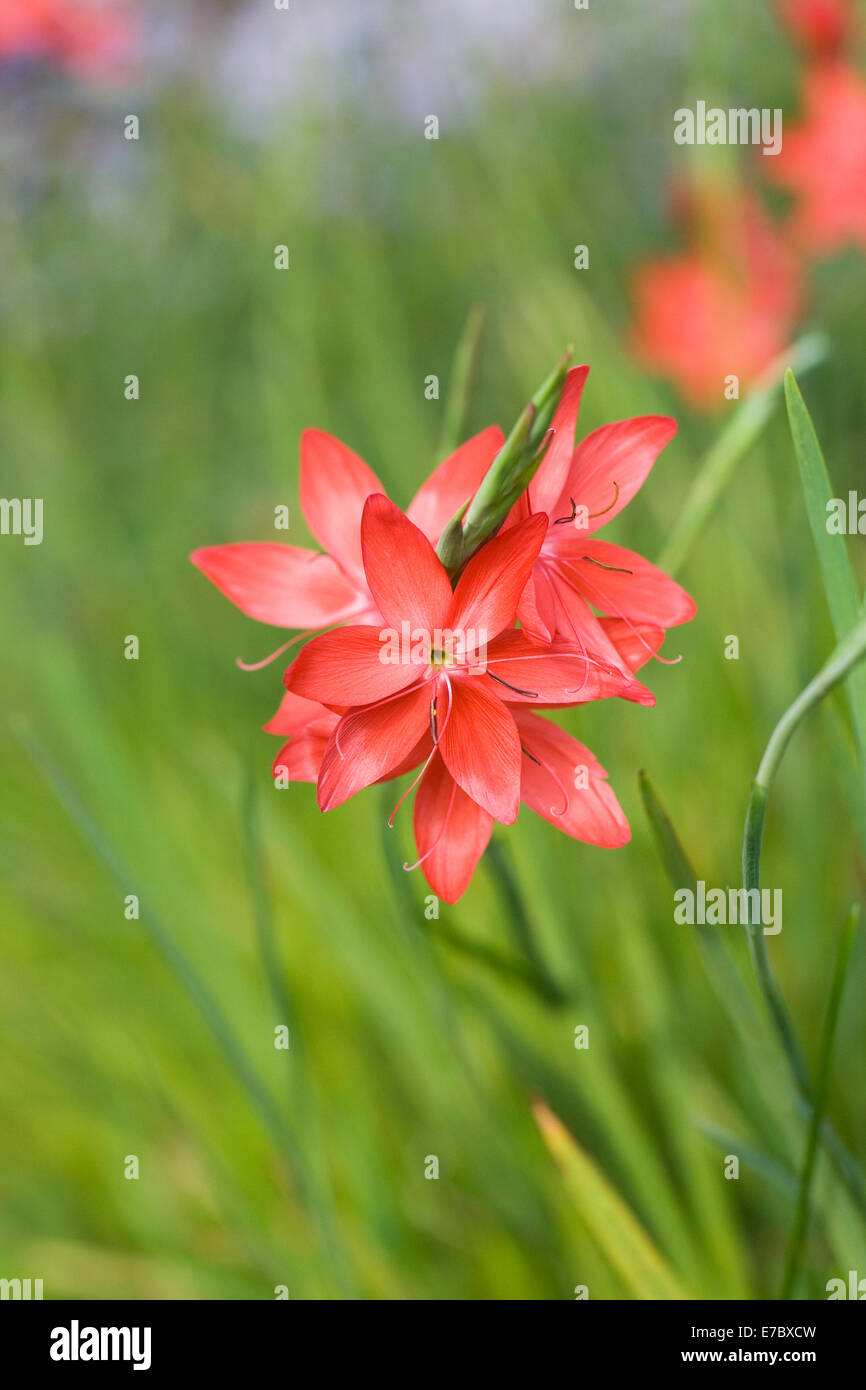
(507, 478)
(846, 656)
(758, 945)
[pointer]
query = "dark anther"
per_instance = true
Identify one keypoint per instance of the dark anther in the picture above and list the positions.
(612, 505)
(617, 569)
(531, 694)
(564, 520)
(434, 727)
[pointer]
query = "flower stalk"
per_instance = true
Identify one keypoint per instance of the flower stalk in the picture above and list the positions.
(508, 477)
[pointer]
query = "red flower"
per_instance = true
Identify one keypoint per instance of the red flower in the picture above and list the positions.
(86, 38)
(726, 306)
(296, 588)
(578, 490)
(447, 692)
(823, 160)
(560, 779)
(415, 676)
(821, 26)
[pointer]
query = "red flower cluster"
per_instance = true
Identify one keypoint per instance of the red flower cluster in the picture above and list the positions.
(729, 303)
(726, 305)
(418, 676)
(823, 160)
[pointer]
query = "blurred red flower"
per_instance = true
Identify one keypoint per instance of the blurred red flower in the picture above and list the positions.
(821, 26)
(823, 160)
(92, 40)
(725, 306)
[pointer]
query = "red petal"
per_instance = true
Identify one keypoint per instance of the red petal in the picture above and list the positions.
(625, 585)
(454, 482)
(451, 832)
(296, 713)
(546, 487)
(413, 759)
(536, 611)
(345, 668)
(575, 621)
(488, 592)
(479, 746)
(548, 784)
(607, 470)
(635, 642)
(280, 584)
(559, 673)
(407, 580)
(369, 743)
(335, 484)
(302, 756)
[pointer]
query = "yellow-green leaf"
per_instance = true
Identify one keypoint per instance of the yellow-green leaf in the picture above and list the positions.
(610, 1222)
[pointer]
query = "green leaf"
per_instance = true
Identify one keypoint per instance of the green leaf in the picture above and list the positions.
(461, 386)
(721, 971)
(610, 1222)
(719, 464)
(671, 852)
(835, 669)
(819, 1102)
(750, 1157)
(843, 600)
(246, 1074)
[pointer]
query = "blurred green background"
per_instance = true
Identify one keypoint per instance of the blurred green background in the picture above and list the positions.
(409, 1037)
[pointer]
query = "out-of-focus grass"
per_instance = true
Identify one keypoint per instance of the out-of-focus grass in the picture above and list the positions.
(404, 1043)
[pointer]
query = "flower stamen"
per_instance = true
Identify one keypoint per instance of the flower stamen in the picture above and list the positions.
(605, 510)
(444, 827)
(266, 661)
(604, 601)
(530, 694)
(617, 569)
